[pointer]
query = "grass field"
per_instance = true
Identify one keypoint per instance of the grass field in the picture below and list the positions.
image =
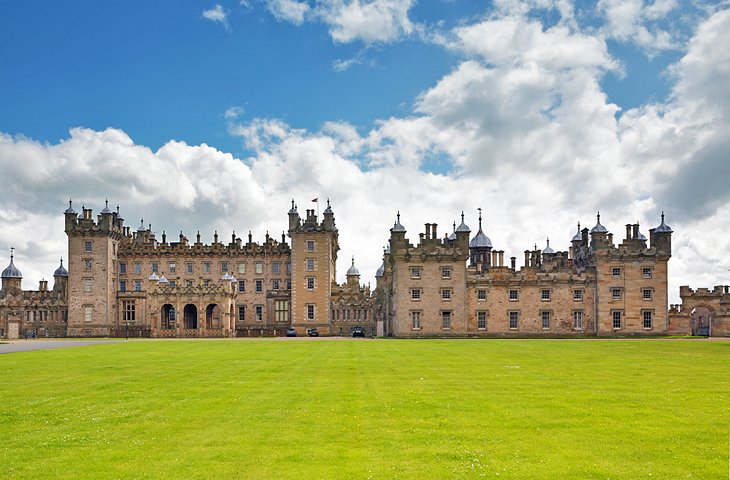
(368, 409)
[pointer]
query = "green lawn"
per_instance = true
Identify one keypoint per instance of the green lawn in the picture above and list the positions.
(248, 409)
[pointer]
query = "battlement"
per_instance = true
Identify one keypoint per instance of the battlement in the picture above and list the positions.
(717, 291)
(145, 243)
(107, 223)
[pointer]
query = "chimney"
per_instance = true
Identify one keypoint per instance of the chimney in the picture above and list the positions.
(527, 258)
(428, 231)
(628, 231)
(501, 258)
(636, 231)
(513, 263)
(433, 231)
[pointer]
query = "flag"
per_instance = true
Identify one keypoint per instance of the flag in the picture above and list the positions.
(315, 199)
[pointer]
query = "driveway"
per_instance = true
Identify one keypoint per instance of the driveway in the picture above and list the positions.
(30, 345)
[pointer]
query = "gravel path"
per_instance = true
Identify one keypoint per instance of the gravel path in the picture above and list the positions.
(30, 345)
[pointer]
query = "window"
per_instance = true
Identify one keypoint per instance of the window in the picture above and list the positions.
(648, 318)
(189, 267)
(310, 312)
(122, 286)
(122, 267)
(259, 267)
(259, 313)
(138, 285)
(310, 264)
(288, 268)
(545, 295)
(482, 320)
(416, 294)
(206, 267)
(646, 272)
(241, 313)
(545, 316)
(87, 245)
(646, 293)
(87, 285)
(137, 268)
(87, 264)
(242, 286)
(241, 268)
(446, 320)
(172, 267)
(206, 283)
(616, 272)
(128, 311)
(88, 311)
(616, 314)
(513, 295)
(310, 245)
(578, 295)
(276, 268)
(578, 320)
(281, 309)
(481, 294)
(446, 294)
(259, 286)
(173, 283)
(275, 284)
(224, 267)
(513, 319)
(616, 294)
(445, 273)
(310, 283)
(155, 267)
(415, 272)
(288, 284)
(415, 320)
(188, 283)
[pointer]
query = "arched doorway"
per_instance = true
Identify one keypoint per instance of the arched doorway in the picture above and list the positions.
(701, 320)
(167, 317)
(212, 316)
(190, 317)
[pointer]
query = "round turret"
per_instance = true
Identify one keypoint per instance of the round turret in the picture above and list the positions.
(60, 271)
(11, 271)
(397, 227)
(548, 249)
(577, 237)
(353, 270)
(599, 228)
(663, 228)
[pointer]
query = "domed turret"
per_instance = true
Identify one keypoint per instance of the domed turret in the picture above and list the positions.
(480, 247)
(353, 270)
(381, 270)
(663, 228)
(60, 271)
(480, 240)
(578, 237)
(397, 227)
(547, 248)
(599, 228)
(11, 271)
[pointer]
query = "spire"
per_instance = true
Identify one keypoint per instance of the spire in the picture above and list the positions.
(353, 270)
(663, 228)
(70, 208)
(599, 228)
(397, 227)
(12, 271)
(548, 249)
(577, 237)
(463, 227)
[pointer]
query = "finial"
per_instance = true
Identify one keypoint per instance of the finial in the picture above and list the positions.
(353, 260)
(12, 249)
(548, 241)
(579, 226)
(462, 216)
(106, 203)
(598, 217)
(328, 202)
(149, 226)
(141, 222)
(480, 217)
(69, 204)
(117, 209)
(536, 246)
(292, 204)
(454, 225)
(398, 216)
(662, 216)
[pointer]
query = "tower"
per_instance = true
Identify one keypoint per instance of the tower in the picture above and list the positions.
(11, 276)
(92, 270)
(314, 248)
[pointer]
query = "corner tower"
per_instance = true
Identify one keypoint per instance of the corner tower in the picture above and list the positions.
(314, 248)
(92, 270)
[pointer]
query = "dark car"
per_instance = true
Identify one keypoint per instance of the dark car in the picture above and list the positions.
(313, 332)
(358, 332)
(291, 332)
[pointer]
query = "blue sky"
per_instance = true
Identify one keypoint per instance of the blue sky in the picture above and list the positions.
(542, 112)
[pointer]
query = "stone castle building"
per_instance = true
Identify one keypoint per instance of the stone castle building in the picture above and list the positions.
(125, 282)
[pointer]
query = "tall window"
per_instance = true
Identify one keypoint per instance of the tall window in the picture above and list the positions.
(310, 312)
(172, 267)
(122, 267)
(87, 285)
(88, 264)
(646, 293)
(281, 309)
(416, 294)
(155, 267)
(545, 320)
(310, 264)
(275, 284)
(276, 268)
(87, 245)
(310, 283)
(648, 317)
(259, 286)
(189, 267)
(242, 286)
(482, 320)
(310, 245)
(122, 285)
(241, 313)
(241, 268)
(446, 319)
(616, 314)
(578, 320)
(513, 295)
(259, 313)
(88, 311)
(646, 272)
(415, 272)
(128, 311)
(616, 294)
(137, 268)
(206, 267)
(138, 285)
(259, 267)
(513, 320)
(416, 320)
(224, 267)
(481, 294)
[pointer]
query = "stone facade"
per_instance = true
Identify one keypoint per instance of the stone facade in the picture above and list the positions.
(124, 282)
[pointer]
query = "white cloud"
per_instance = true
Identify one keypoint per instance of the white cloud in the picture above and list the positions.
(288, 10)
(234, 112)
(633, 21)
(217, 14)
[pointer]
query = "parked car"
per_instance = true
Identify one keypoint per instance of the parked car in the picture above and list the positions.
(313, 332)
(358, 332)
(291, 332)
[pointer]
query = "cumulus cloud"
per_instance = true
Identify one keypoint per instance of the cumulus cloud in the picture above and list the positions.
(288, 10)
(637, 22)
(217, 14)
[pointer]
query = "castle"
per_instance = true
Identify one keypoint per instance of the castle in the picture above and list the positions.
(124, 282)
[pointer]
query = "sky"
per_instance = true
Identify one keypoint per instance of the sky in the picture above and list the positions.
(212, 116)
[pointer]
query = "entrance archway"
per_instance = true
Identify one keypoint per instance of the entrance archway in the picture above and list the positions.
(212, 316)
(167, 317)
(190, 317)
(701, 320)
